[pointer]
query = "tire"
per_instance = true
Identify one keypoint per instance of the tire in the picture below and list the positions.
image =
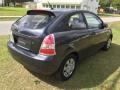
(108, 44)
(67, 68)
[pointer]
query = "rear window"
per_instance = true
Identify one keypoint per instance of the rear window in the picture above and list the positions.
(35, 21)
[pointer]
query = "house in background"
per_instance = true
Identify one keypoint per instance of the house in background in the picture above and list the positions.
(1, 2)
(91, 5)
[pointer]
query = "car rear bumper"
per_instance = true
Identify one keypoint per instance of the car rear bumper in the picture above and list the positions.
(36, 63)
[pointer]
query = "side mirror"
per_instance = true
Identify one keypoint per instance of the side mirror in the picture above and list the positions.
(105, 25)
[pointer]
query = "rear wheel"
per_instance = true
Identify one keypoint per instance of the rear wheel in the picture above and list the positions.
(67, 68)
(108, 44)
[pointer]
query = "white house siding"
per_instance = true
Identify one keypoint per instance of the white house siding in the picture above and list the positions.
(0, 2)
(91, 5)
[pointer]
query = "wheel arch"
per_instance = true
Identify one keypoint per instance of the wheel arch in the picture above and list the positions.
(71, 51)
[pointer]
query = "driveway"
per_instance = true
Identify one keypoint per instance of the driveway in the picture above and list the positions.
(5, 25)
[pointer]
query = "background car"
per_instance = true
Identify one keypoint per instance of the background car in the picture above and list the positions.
(52, 42)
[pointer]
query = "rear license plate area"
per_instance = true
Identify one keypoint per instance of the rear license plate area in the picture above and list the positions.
(23, 42)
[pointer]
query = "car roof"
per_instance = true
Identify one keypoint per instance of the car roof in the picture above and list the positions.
(66, 11)
(56, 12)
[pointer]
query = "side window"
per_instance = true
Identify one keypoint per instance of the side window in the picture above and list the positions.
(76, 22)
(92, 20)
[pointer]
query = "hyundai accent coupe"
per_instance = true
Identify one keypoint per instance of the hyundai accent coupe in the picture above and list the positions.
(52, 42)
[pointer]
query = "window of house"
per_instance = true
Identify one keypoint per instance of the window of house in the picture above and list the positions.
(54, 6)
(62, 6)
(72, 6)
(97, 0)
(78, 7)
(47, 5)
(43, 5)
(67, 6)
(58, 6)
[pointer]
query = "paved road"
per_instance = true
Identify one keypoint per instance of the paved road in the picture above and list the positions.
(9, 16)
(5, 25)
(111, 19)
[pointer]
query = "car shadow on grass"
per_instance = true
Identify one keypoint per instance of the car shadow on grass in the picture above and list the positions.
(91, 72)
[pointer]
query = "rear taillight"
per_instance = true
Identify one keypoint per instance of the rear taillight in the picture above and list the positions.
(48, 46)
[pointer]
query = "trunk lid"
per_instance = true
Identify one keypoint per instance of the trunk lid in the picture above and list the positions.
(28, 39)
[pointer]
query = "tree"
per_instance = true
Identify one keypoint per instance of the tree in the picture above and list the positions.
(116, 3)
(105, 3)
(7, 2)
(108, 3)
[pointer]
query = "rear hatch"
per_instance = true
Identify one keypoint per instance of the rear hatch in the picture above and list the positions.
(29, 31)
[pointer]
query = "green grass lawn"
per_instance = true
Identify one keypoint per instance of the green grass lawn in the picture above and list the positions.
(109, 15)
(12, 11)
(98, 72)
(9, 19)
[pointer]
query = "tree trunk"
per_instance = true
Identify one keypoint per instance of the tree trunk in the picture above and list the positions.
(14, 3)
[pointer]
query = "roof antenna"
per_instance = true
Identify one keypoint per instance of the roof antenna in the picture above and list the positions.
(50, 6)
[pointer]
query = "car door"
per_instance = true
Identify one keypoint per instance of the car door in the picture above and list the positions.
(78, 29)
(98, 34)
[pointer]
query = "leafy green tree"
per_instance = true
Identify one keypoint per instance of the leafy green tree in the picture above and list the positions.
(105, 3)
(116, 3)
(108, 3)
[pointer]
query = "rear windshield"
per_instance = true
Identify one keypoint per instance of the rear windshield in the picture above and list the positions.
(35, 21)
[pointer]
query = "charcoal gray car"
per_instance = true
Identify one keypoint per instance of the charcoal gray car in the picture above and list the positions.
(52, 42)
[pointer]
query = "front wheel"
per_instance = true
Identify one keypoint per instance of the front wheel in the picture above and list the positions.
(67, 68)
